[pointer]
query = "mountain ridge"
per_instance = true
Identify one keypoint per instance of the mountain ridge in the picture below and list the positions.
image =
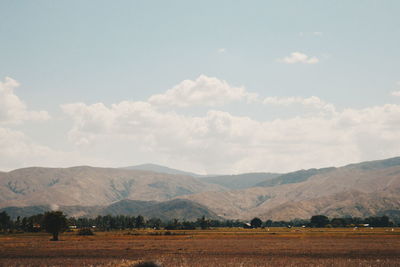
(364, 188)
(92, 186)
(374, 180)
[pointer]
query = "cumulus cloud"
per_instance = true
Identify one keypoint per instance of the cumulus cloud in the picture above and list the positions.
(313, 101)
(204, 91)
(214, 141)
(297, 57)
(219, 142)
(12, 109)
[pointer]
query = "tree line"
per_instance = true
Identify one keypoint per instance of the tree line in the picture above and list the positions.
(45, 221)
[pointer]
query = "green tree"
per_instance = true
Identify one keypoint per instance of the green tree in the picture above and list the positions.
(54, 222)
(5, 221)
(338, 222)
(17, 224)
(319, 221)
(256, 222)
(174, 225)
(154, 223)
(140, 222)
(378, 221)
(268, 223)
(203, 222)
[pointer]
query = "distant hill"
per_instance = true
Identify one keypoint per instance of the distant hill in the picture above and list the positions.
(173, 209)
(181, 209)
(364, 189)
(293, 177)
(90, 186)
(15, 212)
(352, 203)
(376, 164)
(240, 181)
(160, 169)
(127, 207)
(72, 211)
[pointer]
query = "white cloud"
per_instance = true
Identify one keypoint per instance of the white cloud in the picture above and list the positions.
(204, 91)
(216, 141)
(15, 146)
(18, 150)
(219, 142)
(221, 50)
(395, 93)
(297, 57)
(313, 101)
(12, 109)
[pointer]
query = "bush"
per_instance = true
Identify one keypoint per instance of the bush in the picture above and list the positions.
(85, 231)
(256, 222)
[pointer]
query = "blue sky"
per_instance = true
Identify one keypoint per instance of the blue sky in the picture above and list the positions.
(345, 53)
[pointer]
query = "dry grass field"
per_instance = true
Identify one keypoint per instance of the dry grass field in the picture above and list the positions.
(219, 247)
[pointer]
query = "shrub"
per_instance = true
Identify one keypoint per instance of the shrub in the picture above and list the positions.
(85, 231)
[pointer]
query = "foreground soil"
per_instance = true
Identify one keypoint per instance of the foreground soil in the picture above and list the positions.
(218, 247)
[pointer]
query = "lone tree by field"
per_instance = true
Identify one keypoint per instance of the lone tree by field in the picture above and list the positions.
(54, 222)
(256, 222)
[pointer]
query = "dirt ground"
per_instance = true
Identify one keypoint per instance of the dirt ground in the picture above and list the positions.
(220, 247)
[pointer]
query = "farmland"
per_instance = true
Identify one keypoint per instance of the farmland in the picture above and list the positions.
(217, 247)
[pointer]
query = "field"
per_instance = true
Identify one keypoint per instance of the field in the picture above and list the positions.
(218, 247)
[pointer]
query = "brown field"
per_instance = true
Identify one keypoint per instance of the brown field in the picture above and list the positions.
(219, 247)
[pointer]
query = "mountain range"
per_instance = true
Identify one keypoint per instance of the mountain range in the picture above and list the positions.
(88, 186)
(365, 189)
(362, 189)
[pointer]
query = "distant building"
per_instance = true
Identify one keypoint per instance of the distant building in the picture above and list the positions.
(247, 226)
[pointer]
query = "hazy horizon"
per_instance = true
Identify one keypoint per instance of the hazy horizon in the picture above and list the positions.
(188, 171)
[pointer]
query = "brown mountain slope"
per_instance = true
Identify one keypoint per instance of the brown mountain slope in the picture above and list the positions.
(351, 190)
(351, 203)
(89, 186)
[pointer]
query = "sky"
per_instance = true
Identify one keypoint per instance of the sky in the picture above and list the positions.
(212, 87)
